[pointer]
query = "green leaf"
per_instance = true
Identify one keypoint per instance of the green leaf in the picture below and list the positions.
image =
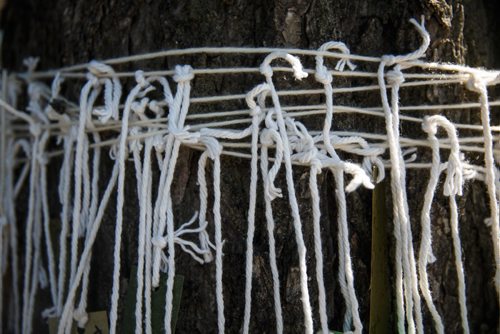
(157, 303)
(380, 294)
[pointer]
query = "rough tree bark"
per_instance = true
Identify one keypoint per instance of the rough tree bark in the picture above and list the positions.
(64, 32)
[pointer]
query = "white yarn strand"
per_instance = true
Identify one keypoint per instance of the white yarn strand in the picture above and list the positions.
(299, 74)
(255, 112)
(478, 85)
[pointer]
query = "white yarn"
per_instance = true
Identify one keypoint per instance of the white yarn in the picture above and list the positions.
(478, 85)
(308, 153)
(10, 196)
(268, 137)
(46, 226)
(143, 190)
(66, 316)
(299, 74)
(452, 187)
(215, 156)
(213, 133)
(80, 313)
(64, 196)
(30, 222)
(87, 100)
(255, 112)
(113, 314)
(148, 230)
(345, 275)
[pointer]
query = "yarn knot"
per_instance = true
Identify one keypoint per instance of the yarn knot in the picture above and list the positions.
(81, 317)
(266, 137)
(389, 60)
(214, 148)
(35, 129)
(31, 63)
(183, 73)
(98, 68)
(159, 143)
(184, 135)
(159, 242)
(155, 107)
(475, 83)
(256, 111)
(322, 75)
(140, 79)
(135, 144)
(103, 114)
(395, 77)
(429, 126)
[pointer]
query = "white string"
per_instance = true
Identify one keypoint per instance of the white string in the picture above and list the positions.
(267, 72)
(143, 189)
(214, 149)
(26, 322)
(345, 270)
(10, 197)
(269, 136)
(255, 112)
(290, 139)
(478, 85)
(405, 269)
(113, 314)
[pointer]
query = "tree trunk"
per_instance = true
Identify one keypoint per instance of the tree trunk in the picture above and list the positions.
(67, 32)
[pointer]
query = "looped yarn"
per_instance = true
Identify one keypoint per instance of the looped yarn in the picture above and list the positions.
(267, 138)
(454, 176)
(298, 70)
(103, 114)
(214, 148)
(98, 68)
(260, 91)
(359, 177)
(269, 121)
(322, 74)
(303, 144)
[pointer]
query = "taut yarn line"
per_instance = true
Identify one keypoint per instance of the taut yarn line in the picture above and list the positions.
(278, 130)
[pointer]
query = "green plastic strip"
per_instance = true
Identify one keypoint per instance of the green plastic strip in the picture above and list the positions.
(380, 295)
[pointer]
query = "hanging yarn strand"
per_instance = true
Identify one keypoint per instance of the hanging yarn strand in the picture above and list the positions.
(478, 85)
(255, 112)
(266, 70)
